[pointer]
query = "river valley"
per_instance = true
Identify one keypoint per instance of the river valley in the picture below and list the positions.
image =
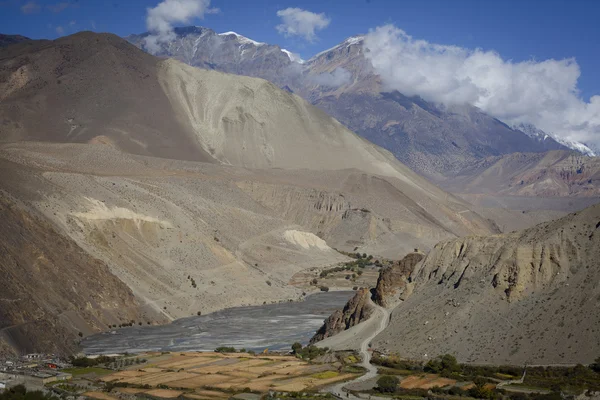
(272, 326)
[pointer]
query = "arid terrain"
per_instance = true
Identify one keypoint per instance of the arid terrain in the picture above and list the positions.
(196, 184)
(528, 297)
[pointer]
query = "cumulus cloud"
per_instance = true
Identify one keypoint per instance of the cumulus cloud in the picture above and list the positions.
(30, 7)
(337, 78)
(543, 93)
(60, 30)
(299, 22)
(160, 19)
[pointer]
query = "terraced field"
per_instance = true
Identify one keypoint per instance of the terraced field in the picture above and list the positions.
(213, 375)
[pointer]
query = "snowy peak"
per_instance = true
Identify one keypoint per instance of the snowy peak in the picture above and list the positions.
(293, 57)
(242, 39)
(352, 40)
(534, 132)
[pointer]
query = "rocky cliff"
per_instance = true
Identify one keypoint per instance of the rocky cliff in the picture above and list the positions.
(525, 297)
(393, 280)
(356, 310)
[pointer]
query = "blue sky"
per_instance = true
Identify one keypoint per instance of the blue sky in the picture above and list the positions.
(518, 30)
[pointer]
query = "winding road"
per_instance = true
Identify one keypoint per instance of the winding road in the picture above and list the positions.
(384, 318)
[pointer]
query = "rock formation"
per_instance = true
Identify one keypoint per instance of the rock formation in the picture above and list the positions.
(356, 310)
(392, 280)
(526, 297)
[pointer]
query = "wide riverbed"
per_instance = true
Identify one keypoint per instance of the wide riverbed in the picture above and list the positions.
(272, 326)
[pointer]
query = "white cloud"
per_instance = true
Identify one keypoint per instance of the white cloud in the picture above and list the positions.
(58, 7)
(60, 30)
(337, 78)
(160, 19)
(30, 7)
(299, 22)
(543, 93)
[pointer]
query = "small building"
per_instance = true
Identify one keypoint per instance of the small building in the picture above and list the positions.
(54, 377)
(2, 385)
(34, 356)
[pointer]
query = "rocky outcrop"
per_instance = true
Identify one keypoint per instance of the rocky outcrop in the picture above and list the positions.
(393, 279)
(356, 310)
(525, 297)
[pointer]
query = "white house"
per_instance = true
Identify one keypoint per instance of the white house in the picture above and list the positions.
(2, 385)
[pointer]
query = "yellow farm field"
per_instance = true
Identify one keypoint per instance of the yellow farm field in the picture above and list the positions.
(427, 381)
(201, 375)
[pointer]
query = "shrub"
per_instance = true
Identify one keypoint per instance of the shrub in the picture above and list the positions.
(596, 365)
(296, 347)
(324, 289)
(387, 383)
(225, 349)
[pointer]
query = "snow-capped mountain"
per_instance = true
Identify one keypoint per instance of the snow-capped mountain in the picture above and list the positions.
(534, 132)
(227, 51)
(434, 141)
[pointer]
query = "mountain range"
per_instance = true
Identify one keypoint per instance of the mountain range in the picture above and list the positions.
(138, 189)
(185, 186)
(433, 140)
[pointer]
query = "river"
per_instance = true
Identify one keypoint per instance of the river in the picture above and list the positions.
(272, 326)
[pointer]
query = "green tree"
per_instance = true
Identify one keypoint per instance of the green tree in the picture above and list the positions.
(387, 383)
(596, 365)
(296, 348)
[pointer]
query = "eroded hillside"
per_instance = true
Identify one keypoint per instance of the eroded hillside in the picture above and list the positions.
(52, 289)
(526, 297)
(201, 190)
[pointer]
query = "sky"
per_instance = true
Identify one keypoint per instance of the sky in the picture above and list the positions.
(525, 61)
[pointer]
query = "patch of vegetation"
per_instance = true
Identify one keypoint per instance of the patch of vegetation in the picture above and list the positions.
(387, 384)
(225, 349)
(445, 365)
(354, 369)
(19, 392)
(395, 362)
(309, 352)
(572, 379)
(90, 362)
(325, 374)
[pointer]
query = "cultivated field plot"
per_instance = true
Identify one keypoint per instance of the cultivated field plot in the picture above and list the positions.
(201, 375)
(425, 381)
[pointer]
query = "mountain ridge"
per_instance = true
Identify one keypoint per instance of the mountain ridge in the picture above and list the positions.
(191, 184)
(434, 141)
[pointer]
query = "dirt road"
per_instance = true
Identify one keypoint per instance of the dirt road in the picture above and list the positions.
(383, 316)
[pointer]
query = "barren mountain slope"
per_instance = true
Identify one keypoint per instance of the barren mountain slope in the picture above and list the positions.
(556, 173)
(285, 183)
(89, 87)
(51, 288)
(232, 119)
(7, 40)
(526, 297)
